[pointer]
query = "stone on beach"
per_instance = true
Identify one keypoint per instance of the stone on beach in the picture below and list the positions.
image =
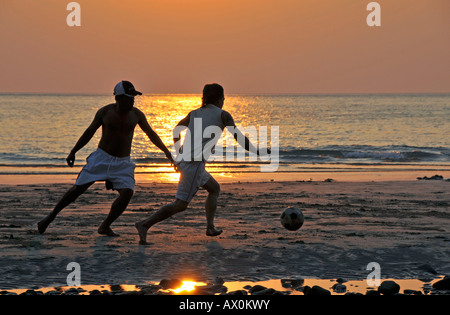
(170, 283)
(443, 284)
(315, 291)
(256, 288)
(339, 288)
(238, 292)
(389, 287)
(292, 283)
(435, 177)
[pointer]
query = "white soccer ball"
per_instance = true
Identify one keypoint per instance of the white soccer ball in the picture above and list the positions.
(292, 219)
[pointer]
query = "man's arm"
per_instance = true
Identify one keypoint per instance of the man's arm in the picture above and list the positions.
(86, 136)
(228, 121)
(151, 134)
(183, 122)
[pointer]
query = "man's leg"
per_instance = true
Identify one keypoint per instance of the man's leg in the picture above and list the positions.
(71, 195)
(213, 189)
(117, 208)
(163, 213)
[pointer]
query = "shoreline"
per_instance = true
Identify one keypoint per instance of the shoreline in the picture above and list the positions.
(346, 175)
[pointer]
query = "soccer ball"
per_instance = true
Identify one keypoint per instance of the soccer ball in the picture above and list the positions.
(292, 219)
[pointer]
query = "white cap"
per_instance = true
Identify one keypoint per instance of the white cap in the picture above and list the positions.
(125, 88)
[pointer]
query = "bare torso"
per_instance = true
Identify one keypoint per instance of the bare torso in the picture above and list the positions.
(118, 130)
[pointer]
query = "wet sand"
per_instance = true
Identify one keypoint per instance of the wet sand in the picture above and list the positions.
(401, 225)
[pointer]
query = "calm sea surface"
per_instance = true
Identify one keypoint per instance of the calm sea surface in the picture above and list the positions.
(38, 131)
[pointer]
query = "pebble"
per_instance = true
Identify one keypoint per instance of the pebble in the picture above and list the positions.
(339, 288)
(256, 288)
(315, 291)
(412, 292)
(71, 291)
(170, 283)
(238, 292)
(443, 284)
(292, 283)
(340, 280)
(389, 287)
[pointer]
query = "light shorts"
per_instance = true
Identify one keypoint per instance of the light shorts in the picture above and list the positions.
(118, 172)
(193, 175)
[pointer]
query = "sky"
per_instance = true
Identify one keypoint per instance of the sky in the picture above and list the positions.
(248, 46)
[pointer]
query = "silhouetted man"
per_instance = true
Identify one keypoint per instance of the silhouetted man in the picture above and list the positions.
(196, 151)
(111, 161)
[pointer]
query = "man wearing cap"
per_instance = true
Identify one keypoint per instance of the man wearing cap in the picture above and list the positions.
(111, 161)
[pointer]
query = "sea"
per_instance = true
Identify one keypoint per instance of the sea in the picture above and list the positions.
(310, 132)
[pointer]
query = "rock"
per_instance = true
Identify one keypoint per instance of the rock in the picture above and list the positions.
(149, 289)
(129, 293)
(353, 293)
(412, 292)
(315, 290)
(256, 288)
(53, 292)
(389, 288)
(264, 292)
(170, 283)
(340, 280)
(31, 292)
(210, 289)
(443, 284)
(435, 177)
(71, 291)
(116, 287)
(292, 283)
(339, 288)
(237, 292)
(219, 280)
(218, 288)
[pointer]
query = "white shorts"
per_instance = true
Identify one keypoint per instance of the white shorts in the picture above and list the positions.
(118, 172)
(193, 176)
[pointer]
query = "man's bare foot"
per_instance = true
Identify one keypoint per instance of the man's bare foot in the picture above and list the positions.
(142, 231)
(42, 225)
(212, 231)
(107, 231)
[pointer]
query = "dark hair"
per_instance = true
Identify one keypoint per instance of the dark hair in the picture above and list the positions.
(212, 93)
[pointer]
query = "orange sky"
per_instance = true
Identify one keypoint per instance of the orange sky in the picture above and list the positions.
(249, 46)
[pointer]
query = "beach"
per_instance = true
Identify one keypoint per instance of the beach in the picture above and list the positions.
(400, 224)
